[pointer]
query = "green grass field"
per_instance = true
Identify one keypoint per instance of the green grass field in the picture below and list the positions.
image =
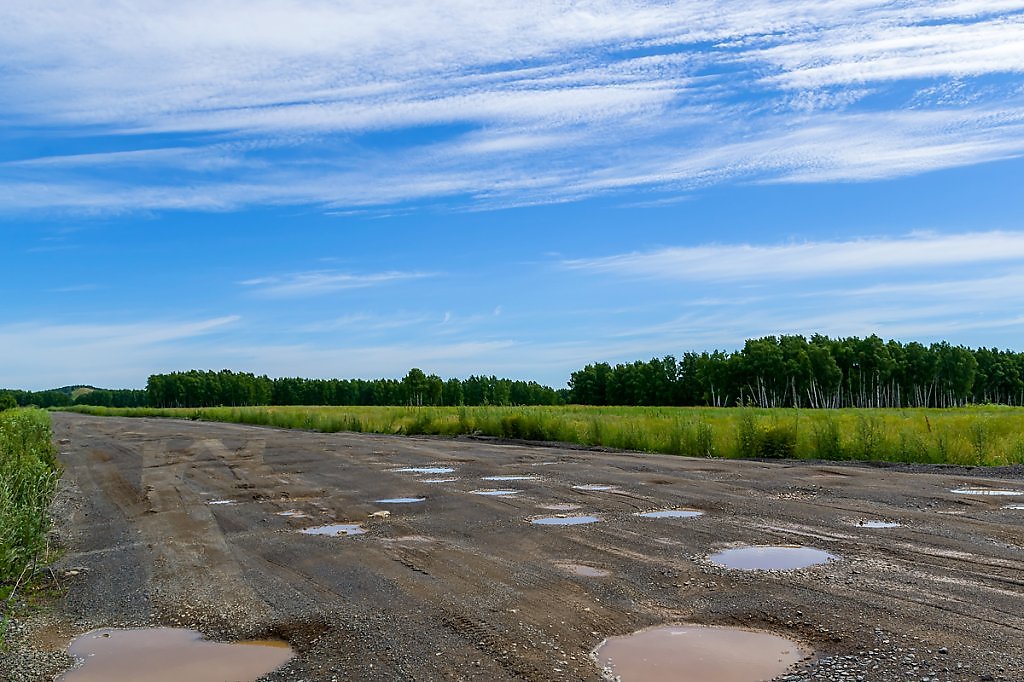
(987, 435)
(28, 479)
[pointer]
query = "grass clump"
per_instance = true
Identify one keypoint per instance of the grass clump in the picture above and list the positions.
(28, 480)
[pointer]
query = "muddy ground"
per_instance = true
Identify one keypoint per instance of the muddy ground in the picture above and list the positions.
(463, 586)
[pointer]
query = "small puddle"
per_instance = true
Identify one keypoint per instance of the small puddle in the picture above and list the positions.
(565, 520)
(294, 513)
(671, 514)
(219, 502)
(595, 486)
(495, 493)
(697, 653)
(985, 491)
(169, 655)
(584, 570)
(426, 470)
(400, 500)
(513, 477)
(1014, 506)
(439, 480)
(559, 506)
(335, 529)
(878, 524)
(772, 558)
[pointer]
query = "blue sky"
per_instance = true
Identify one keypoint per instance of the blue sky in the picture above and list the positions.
(317, 188)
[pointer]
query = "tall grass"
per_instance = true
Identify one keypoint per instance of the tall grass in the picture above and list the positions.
(28, 480)
(970, 436)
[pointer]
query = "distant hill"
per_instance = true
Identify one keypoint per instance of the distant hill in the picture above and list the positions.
(75, 391)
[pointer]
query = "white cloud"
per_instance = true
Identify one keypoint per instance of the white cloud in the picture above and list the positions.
(810, 259)
(319, 282)
(111, 355)
(546, 101)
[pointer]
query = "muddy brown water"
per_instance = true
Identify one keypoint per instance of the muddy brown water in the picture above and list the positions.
(170, 655)
(697, 653)
(771, 558)
(584, 570)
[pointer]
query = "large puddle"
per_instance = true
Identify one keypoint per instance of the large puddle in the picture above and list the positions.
(170, 655)
(986, 491)
(697, 653)
(772, 558)
(426, 470)
(400, 500)
(671, 514)
(335, 529)
(565, 520)
(496, 492)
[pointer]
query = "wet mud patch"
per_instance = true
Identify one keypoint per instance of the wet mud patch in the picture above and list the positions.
(565, 520)
(559, 506)
(335, 530)
(583, 570)
(771, 558)
(170, 655)
(670, 514)
(696, 653)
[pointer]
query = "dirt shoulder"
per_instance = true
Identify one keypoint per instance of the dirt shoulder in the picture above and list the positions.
(462, 586)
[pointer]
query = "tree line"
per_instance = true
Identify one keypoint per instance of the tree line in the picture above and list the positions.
(208, 389)
(772, 371)
(820, 372)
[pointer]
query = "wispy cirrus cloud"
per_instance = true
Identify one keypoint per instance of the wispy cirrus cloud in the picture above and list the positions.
(811, 259)
(320, 282)
(535, 102)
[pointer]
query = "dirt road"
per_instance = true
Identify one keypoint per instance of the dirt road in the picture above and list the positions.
(179, 523)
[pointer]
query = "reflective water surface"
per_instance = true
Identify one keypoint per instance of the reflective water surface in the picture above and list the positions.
(169, 655)
(426, 470)
(400, 500)
(335, 529)
(771, 558)
(496, 493)
(670, 514)
(565, 520)
(696, 653)
(985, 491)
